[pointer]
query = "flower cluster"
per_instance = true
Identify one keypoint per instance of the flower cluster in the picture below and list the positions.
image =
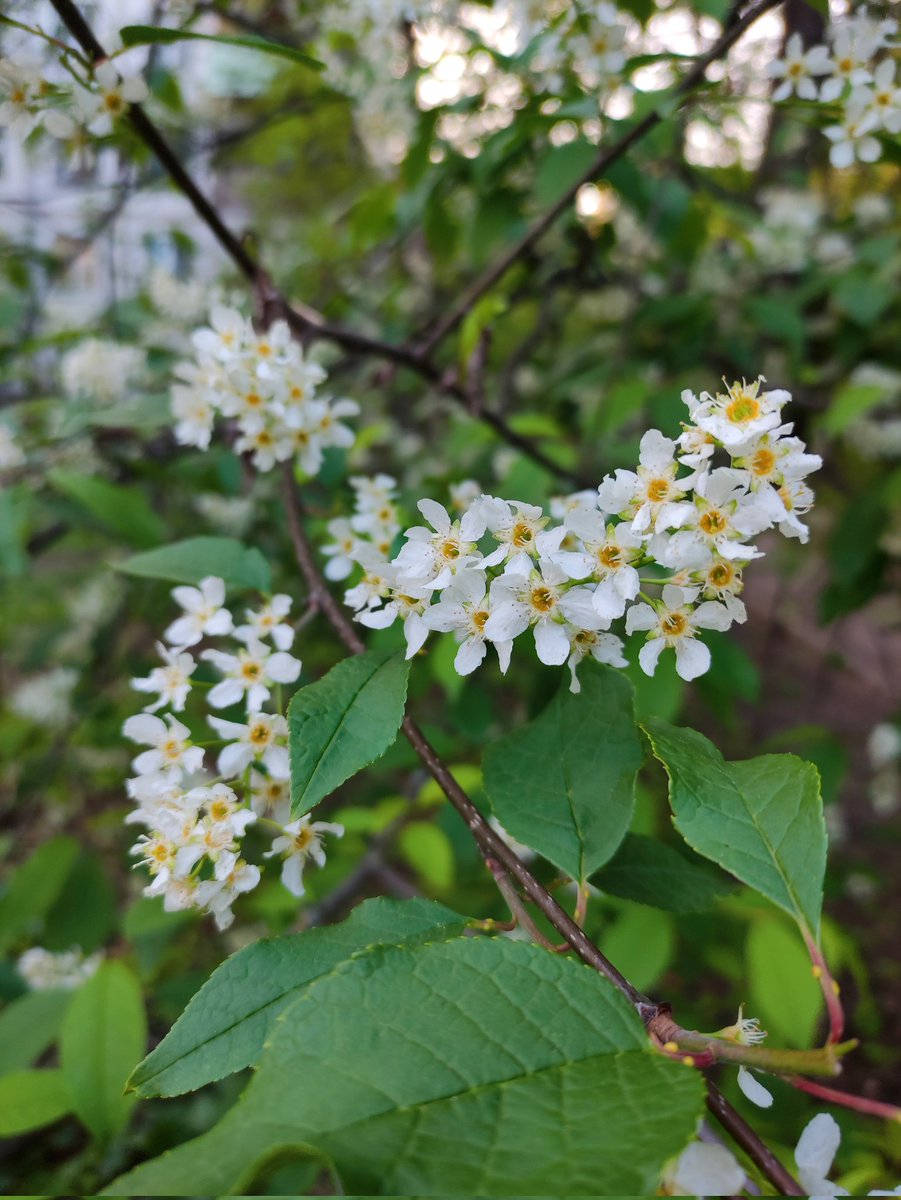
(369, 534)
(197, 820)
(502, 568)
(11, 453)
(100, 369)
(45, 971)
(89, 100)
(262, 383)
(847, 71)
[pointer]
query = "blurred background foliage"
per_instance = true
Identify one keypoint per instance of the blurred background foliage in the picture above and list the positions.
(724, 245)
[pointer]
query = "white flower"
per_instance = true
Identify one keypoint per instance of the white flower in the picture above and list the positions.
(704, 1169)
(249, 674)
(300, 841)
(462, 494)
(651, 496)
(797, 68)
(44, 970)
(539, 599)
(217, 896)
(171, 681)
(742, 413)
(410, 605)
(883, 98)
(204, 613)
(374, 493)
(463, 610)
(270, 796)
(602, 647)
(267, 622)
(226, 336)
(374, 586)
(269, 445)
(171, 744)
(852, 139)
(516, 527)
(608, 555)
(753, 1089)
(46, 699)
(101, 370)
(674, 622)
(195, 414)
(101, 108)
(816, 1148)
(255, 741)
(342, 552)
(431, 559)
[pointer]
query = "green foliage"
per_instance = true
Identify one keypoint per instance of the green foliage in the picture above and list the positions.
(226, 1024)
(565, 784)
(152, 35)
(195, 558)
(391, 1062)
(761, 819)
(104, 1034)
(32, 1099)
(34, 887)
(28, 1025)
(123, 510)
(343, 722)
(783, 991)
(653, 873)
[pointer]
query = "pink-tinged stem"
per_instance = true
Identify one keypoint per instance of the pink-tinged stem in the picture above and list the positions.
(873, 1108)
(829, 988)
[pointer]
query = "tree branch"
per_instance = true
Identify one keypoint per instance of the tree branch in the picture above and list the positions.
(598, 169)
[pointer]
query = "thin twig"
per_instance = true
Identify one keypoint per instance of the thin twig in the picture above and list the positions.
(598, 169)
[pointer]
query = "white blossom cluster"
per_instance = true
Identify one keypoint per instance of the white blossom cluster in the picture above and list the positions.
(100, 369)
(263, 384)
(848, 70)
(88, 100)
(44, 971)
(680, 524)
(196, 819)
(369, 534)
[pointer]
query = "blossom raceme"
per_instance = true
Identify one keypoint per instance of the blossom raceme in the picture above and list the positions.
(662, 548)
(263, 387)
(850, 71)
(196, 822)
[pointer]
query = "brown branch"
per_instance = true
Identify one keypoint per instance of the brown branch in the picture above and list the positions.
(598, 169)
(303, 319)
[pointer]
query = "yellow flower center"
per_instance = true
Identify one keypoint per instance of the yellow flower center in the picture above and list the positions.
(720, 575)
(658, 489)
(219, 810)
(522, 535)
(610, 556)
(744, 408)
(252, 671)
(713, 522)
(259, 733)
(763, 462)
(171, 749)
(674, 624)
(450, 549)
(479, 618)
(543, 599)
(303, 838)
(113, 103)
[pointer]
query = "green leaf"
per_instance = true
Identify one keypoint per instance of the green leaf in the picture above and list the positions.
(761, 819)
(848, 404)
(195, 558)
(642, 943)
(28, 1025)
(782, 990)
(476, 1067)
(225, 1025)
(343, 722)
(561, 167)
(34, 888)
(429, 852)
(124, 510)
(103, 1036)
(149, 35)
(565, 784)
(31, 1099)
(650, 872)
